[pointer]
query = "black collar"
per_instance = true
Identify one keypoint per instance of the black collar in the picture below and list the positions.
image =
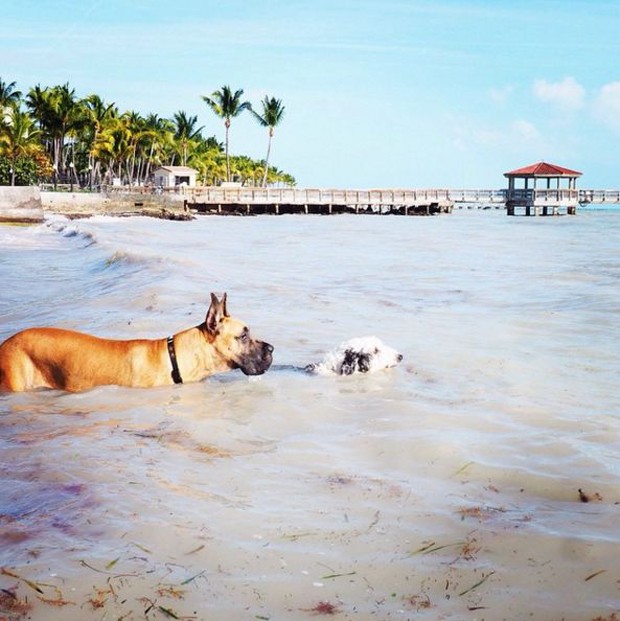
(176, 375)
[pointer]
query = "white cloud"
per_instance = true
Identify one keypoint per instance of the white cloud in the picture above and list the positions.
(516, 137)
(525, 131)
(606, 106)
(501, 95)
(567, 94)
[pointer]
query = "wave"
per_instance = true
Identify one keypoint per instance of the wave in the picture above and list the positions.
(68, 228)
(108, 258)
(121, 260)
(44, 236)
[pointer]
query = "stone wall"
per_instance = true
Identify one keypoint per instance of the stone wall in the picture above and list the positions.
(20, 204)
(91, 203)
(75, 202)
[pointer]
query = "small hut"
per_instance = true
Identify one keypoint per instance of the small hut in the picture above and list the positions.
(173, 176)
(542, 189)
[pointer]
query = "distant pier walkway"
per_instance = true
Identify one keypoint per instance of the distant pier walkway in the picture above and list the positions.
(317, 201)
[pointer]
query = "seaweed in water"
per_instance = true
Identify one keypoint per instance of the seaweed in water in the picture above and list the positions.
(323, 608)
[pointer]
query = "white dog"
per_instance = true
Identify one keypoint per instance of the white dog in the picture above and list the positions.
(360, 355)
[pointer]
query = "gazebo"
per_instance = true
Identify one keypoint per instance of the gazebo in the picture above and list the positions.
(542, 188)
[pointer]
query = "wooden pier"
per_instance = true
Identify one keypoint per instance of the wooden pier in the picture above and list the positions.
(255, 201)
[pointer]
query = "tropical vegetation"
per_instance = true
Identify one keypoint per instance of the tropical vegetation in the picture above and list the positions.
(227, 105)
(271, 117)
(50, 135)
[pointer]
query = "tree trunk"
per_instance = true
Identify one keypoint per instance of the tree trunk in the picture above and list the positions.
(267, 157)
(56, 149)
(227, 123)
(147, 168)
(76, 177)
(96, 178)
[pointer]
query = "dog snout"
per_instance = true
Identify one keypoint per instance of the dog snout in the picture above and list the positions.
(399, 357)
(268, 348)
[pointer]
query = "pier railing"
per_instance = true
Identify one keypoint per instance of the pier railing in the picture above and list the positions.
(477, 196)
(311, 196)
(540, 196)
(319, 201)
(599, 196)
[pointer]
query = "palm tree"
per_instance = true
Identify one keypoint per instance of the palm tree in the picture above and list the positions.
(9, 96)
(273, 112)
(19, 137)
(133, 135)
(98, 115)
(211, 166)
(185, 132)
(227, 105)
(160, 142)
(103, 149)
(59, 115)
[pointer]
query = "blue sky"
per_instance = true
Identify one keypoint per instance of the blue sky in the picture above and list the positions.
(378, 93)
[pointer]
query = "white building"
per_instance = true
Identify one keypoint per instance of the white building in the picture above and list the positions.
(173, 176)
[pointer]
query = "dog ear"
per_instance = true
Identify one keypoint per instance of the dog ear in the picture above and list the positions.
(363, 363)
(349, 362)
(224, 311)
(216, 312)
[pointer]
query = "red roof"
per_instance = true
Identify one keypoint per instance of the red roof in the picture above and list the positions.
(543, 169)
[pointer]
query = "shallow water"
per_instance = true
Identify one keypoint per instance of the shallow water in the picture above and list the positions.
(446, 488)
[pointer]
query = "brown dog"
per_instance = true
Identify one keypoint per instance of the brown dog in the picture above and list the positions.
(72, 361)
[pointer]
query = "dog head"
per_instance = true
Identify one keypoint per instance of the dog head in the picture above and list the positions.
(359, 355)
(231, 339)
(355, 361)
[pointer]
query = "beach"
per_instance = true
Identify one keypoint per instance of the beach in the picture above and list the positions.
(476, 480)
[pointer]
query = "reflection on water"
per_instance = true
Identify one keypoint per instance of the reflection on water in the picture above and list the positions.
(446, 487)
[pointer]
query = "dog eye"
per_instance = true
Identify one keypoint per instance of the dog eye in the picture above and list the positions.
(243, 337)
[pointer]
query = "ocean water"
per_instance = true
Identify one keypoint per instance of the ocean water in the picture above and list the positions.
(444, 488)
